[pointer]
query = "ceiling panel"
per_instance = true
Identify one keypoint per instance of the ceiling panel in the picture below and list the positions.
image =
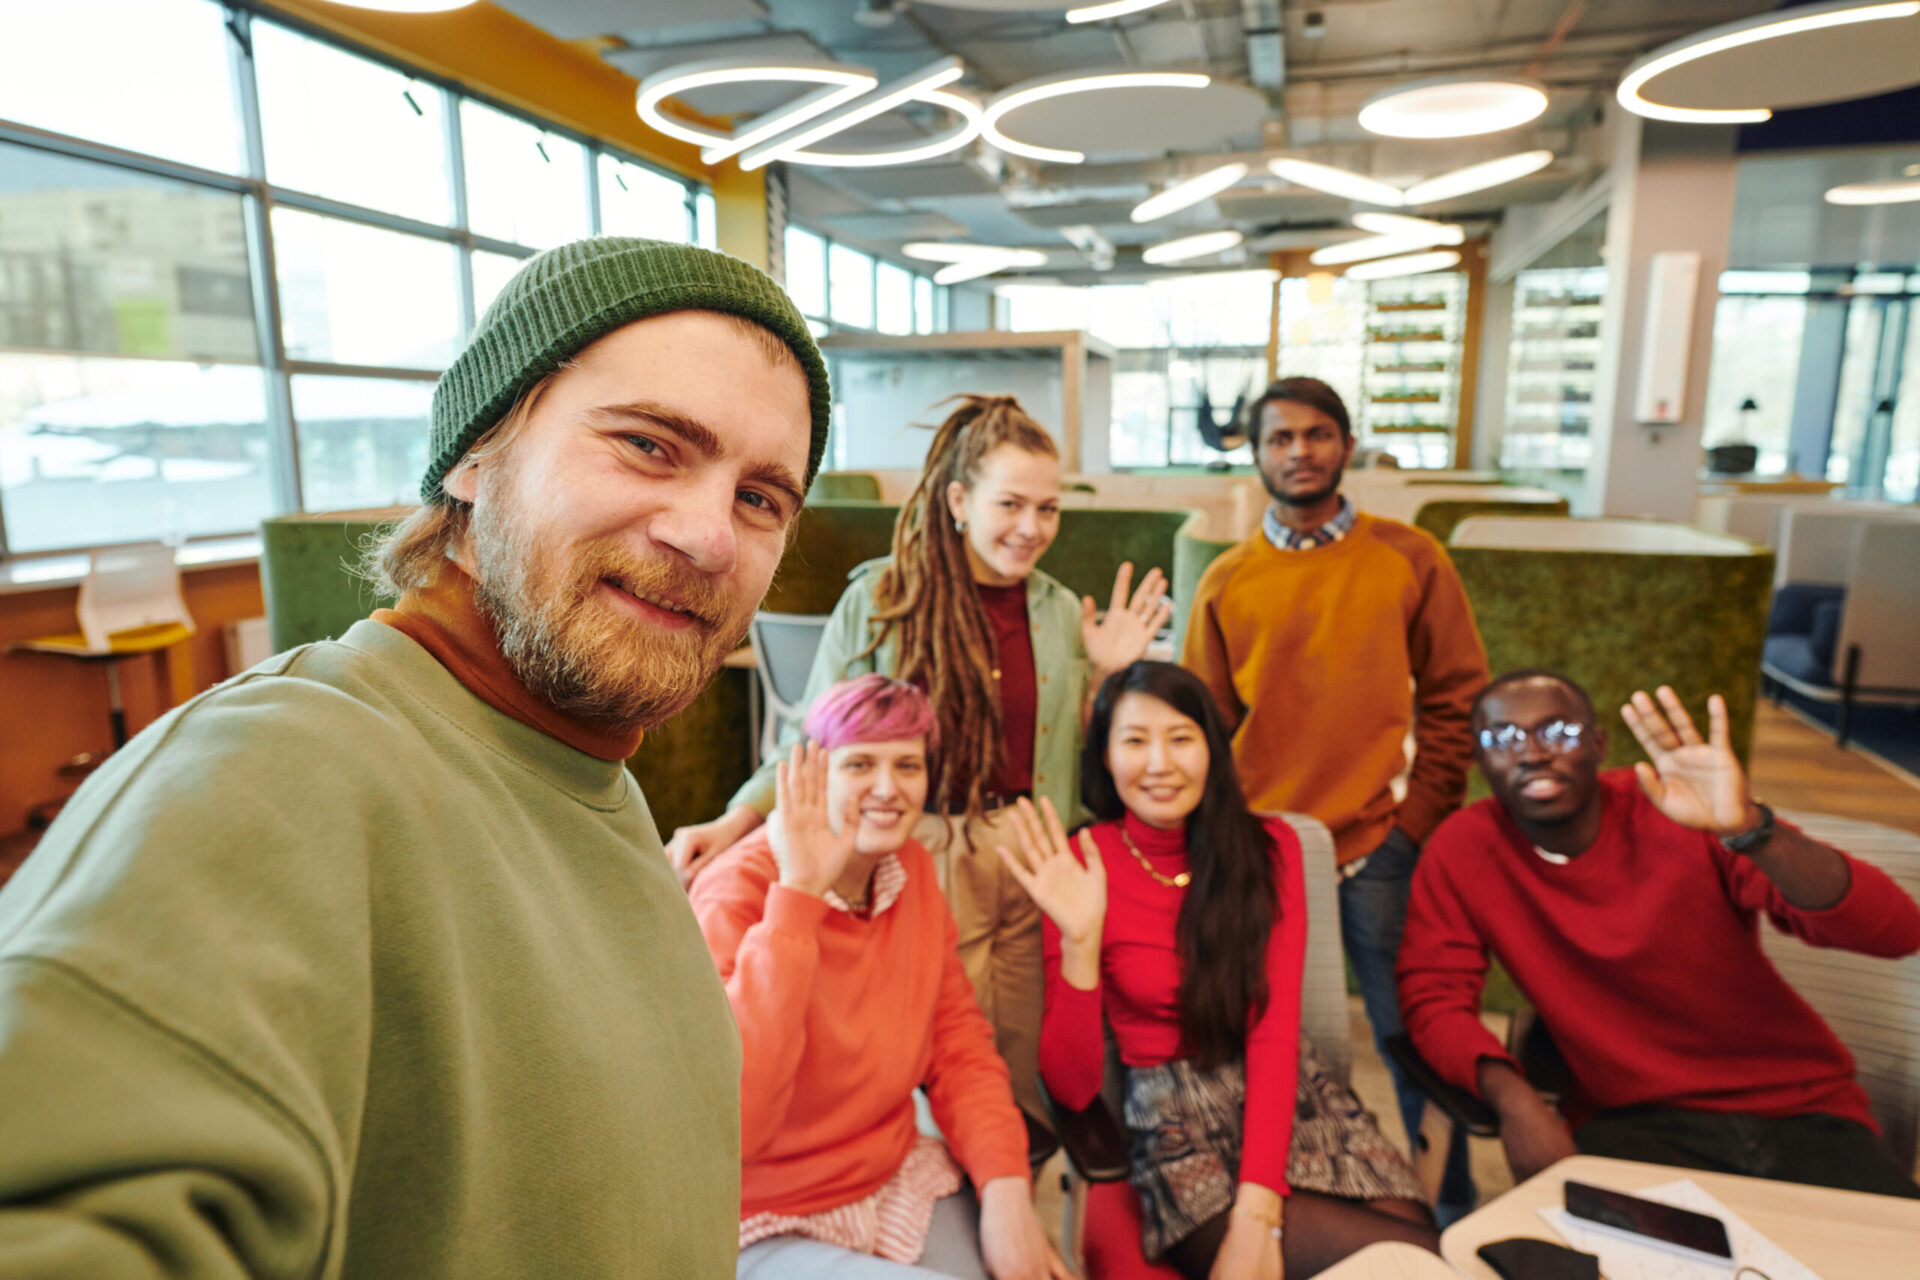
(782, 46)
(578, 19)
(1781, 217)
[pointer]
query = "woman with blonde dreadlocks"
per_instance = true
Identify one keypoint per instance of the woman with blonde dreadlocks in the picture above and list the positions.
(1006, 655)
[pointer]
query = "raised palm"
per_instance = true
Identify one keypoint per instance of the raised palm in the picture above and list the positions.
(811, 854)
(1130, 624)
(1697, 783)
(1070, 888)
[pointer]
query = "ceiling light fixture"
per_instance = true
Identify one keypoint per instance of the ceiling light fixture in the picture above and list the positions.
(1411, 264)
(1894, 191)
(406, 6)
(1478, 177)
(1452, 107)
(1191, 192)
(1366, 247)
(1191, 247)
(1337, 182)
(968, 261)
(1113, 9)
(1013, 99)
(1400, 224)
(1734, 35)
(850, 95)
(688, 76)
(886, 98)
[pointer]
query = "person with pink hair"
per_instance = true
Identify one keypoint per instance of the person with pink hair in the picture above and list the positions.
(840, 958)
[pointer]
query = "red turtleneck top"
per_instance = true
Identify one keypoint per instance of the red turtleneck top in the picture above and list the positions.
(1139, 990)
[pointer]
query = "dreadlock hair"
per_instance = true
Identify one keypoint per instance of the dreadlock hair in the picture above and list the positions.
(926, 596)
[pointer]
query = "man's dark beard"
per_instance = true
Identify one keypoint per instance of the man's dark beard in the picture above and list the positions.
(1303, 499)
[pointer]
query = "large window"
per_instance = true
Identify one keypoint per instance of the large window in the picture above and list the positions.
(1750, 384)
(143, 392)
(1188, 346)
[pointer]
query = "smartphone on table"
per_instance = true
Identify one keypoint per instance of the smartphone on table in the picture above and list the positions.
(1698, 1235)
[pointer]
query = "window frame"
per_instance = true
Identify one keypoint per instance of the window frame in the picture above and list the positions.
(261, 197)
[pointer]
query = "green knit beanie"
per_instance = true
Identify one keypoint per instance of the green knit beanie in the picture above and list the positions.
(565, 298)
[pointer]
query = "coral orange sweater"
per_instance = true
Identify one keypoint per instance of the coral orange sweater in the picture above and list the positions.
(1323, 660)
(841, 1018)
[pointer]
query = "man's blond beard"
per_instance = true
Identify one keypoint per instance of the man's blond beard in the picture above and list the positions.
(579, 655)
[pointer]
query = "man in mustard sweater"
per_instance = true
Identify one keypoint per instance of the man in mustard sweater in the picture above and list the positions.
(1342, 649)
(368, 962)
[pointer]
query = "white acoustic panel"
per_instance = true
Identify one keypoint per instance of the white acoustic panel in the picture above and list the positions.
(1672, 279)
(786, 46)
(578, 19)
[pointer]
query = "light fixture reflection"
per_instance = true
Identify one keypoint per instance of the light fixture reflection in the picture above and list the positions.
(1337, 182)
(1452, 107)
(1411, 264)
(1895, 191)
(1478, 177)
(1191, 247)
(1734, 35)
(1191, 192)
(1113, 9)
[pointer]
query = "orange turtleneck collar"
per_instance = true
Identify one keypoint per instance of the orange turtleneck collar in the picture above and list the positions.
(444, 619)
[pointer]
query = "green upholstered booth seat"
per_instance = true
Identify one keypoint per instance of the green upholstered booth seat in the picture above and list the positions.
(1439, 518)
(1095, 541)
(1621, 605)
(837, 486)
(1195, 546)
(311, 594)
(830, 537)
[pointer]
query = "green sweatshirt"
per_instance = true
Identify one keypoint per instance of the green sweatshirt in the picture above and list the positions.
(336, 971)
(1059, 666)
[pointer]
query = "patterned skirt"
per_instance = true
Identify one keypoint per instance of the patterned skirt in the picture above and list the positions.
(1186, 1128)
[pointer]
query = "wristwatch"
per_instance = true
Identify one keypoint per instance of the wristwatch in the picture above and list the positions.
(1754, 836)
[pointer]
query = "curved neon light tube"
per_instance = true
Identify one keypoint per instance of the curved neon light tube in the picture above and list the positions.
(1399, 224)
(1113, 9)
(939, 145)
(1017, 97)
(1411, 264)
(900, 92)
(1337, 182)
(1370, 247)
(1183, 195)
(1734, 35)
(1478, 177)
(675, 80)
(1191, 247)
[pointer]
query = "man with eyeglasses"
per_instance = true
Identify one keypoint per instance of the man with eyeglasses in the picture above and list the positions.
(1624, 904)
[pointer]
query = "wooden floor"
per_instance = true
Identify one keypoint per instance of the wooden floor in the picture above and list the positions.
(1796, 766)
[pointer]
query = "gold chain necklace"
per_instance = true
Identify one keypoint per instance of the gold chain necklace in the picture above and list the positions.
(1172, 882)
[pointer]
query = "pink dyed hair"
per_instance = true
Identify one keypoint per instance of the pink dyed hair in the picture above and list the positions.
(872, 708)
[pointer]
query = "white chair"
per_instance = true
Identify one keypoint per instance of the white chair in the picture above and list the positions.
(1874, 655)
(1873, 1005)
(783, 649)
(129, 605)
(1814, 541)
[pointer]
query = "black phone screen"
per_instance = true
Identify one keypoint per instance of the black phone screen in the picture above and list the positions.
(1648, 1218)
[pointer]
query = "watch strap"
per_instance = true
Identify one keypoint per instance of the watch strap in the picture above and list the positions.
(1754, 836)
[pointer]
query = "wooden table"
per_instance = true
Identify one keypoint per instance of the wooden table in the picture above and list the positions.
(1390, 1261)
(1841, 1235)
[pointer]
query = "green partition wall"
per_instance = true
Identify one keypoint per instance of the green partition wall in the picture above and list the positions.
(311, 593)
(1439, 518)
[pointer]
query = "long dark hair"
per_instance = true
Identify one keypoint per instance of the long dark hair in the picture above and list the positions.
(1230, 906)
(927, 595)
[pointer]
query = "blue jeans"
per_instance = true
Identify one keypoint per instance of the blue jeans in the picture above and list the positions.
(1373, 914)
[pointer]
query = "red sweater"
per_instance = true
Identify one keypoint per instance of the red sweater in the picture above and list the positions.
(1140, 991)
(1643, 958)
(841, 1018)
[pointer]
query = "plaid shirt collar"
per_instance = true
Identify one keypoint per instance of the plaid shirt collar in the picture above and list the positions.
(889, 878)
(1306, 540)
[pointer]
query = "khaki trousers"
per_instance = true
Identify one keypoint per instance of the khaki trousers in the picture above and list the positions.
(999, 928)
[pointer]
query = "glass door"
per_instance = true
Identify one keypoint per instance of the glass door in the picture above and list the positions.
(1867, 406)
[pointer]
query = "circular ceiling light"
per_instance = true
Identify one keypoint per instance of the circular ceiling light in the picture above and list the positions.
(1400, 224)
(406, 6)
(1452, 107)
(969, 261)
(1895, 191)
(1411, 264)
(1191, 192)
(1794, 77)
(1112, 9)
(1191, 247)
(1366, 247)
(1023, 95)
(1337, 182)
(1478, 177)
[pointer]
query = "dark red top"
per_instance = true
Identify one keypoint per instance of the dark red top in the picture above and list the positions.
(1019, 690)
(1140, 989)
(1643, 957)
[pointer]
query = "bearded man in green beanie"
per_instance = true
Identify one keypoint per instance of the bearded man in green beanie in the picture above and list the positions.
(368, 962)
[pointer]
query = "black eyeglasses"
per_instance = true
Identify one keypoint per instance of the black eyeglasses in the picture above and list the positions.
(1561, 737)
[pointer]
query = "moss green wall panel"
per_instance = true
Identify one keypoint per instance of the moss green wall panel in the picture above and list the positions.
(1192, 553)
(836, 486)
(829, 538)
(310, 594)
(690, 766)
(1618, 622)
(1439, 518)
(1095, 542)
